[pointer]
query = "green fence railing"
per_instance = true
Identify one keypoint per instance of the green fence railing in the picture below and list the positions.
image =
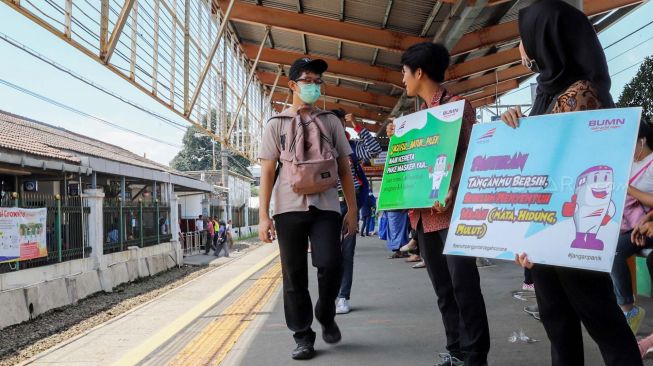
(134, 223)
(66, 228)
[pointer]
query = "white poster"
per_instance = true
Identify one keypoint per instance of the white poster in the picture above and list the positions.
(22, 233)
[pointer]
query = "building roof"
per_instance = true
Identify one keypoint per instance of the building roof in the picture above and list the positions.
(49, 142)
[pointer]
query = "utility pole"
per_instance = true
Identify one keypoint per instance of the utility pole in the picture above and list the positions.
(213, 152)
(225, 180)
(225, 128)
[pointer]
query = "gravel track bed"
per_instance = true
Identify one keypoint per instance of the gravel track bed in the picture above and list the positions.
(23, 341)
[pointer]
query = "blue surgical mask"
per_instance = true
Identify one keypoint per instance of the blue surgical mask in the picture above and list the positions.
(309, 93)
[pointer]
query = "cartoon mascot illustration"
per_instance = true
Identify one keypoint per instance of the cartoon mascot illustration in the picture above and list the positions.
(437, 173)
(591, 206)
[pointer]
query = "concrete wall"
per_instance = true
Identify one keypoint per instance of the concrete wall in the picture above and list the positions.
(28, 293)
(191, 206)
(245, 231)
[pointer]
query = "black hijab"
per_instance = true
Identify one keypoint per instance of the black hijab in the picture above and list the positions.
(564, 44)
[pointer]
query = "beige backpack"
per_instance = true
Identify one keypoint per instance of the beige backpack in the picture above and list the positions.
(308, 154)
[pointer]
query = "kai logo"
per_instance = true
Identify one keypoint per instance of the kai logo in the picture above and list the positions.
(487, 136)
(402, 127)
(606, 124)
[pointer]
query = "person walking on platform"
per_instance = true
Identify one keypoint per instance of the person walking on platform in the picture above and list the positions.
(211, 236)
(560, 43)
(306, 203)
(221, 239)
(364, 149)
(455, 279)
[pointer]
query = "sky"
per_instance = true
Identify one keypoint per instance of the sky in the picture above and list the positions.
(31, 73)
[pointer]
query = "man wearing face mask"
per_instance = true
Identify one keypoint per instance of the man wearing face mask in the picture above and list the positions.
(310, 212)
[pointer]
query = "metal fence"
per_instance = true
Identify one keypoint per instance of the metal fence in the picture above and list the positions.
(253, 216)
(134, 223)
(192, 242)
(66, 228)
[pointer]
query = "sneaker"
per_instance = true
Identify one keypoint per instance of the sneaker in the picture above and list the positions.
(528, 287)
(303, 352)
(447, 359)
(412, 245)
(635, 317)
(483, 263)
(342, 306)
(331, 333)
(419, 265)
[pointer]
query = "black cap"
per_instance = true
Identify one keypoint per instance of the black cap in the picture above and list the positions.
(300, 65)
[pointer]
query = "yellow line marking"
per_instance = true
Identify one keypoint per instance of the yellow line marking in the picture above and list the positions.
(216, 340)
(139, 353)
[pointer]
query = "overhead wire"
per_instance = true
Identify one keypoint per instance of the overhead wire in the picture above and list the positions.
(81, 113)
(54, 64)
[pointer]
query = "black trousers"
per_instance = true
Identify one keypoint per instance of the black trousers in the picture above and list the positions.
(457, 285)
(294, 229)
(566, 297)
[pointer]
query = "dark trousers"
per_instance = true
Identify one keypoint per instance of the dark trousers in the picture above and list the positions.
(348, 251)
(566, 297)
(219, 246)
(294, 229)
(209, 241)
(365, 227)
(457, 285)
(528, 276)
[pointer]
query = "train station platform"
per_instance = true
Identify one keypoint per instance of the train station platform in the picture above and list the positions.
(233, 315)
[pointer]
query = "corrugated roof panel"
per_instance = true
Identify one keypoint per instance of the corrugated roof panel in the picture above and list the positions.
(380, 88)
(389, 59)
(365, 12)
(322, 46)
(351, 84)
(357, 53)
(440, 17)
(291, 41)
(326, 9)
(290, 5)
(409, 16)
(249, 32)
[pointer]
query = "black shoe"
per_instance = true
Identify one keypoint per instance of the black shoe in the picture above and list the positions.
(331, 333)
(303, 352)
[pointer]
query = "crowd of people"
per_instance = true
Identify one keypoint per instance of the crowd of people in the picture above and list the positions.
(311, 170)
(216, 235)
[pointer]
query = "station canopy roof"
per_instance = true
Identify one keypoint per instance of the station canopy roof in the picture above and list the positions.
(362, 40)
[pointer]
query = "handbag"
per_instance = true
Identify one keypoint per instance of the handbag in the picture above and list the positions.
(633, 209)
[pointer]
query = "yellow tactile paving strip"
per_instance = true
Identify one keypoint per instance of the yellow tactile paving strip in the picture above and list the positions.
(212, 345)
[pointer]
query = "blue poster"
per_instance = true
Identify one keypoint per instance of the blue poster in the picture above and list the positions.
(554, 188)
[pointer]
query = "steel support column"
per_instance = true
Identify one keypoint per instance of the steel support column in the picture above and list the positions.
(198, 88)
(241, 100)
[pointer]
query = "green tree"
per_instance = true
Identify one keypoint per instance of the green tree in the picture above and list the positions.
(197, 152)
(638, 92)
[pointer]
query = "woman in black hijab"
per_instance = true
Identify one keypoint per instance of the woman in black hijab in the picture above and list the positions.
(560, 44)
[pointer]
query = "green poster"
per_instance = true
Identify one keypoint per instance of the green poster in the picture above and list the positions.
(420, 158)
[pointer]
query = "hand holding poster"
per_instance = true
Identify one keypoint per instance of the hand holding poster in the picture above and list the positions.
(420, 157)
(22, 234)
(551, 189)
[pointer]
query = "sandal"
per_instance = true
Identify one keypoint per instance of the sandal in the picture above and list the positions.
(413, 258)
(396, 255)
(419, 265)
